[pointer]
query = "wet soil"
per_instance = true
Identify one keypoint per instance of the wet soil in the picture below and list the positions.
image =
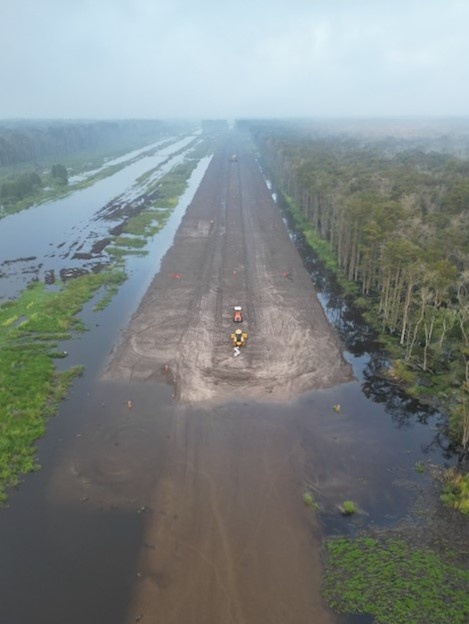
(232, 248)
(232, 541)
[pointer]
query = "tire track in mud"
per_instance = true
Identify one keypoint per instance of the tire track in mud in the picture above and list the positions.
(232, 248)
(232, 542)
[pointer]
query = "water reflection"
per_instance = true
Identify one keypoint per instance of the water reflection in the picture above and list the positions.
(49, 238)
(365, 354)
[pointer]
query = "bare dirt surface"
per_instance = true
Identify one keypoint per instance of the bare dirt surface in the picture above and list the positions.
(227, 538)
(232, 248)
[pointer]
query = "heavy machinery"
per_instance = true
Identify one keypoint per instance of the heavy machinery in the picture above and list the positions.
(238, 338)
(237, 314)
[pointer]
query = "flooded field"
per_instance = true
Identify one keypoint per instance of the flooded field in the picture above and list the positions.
(146, 510)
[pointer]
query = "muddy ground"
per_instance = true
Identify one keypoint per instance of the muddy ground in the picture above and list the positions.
(232, 248)
(229, 540)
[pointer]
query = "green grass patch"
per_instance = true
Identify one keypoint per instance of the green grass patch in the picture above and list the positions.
(456, 490)
(119, 252)
(308, 500)
(130, 241)
(348, 508)
(148, 222)
(30, 386)
(166, 192)
(394, 582)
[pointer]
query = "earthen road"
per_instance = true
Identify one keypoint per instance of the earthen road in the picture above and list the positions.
(228, 539)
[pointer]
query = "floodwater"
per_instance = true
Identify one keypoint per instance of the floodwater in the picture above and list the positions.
(74, 539)
(46, 236)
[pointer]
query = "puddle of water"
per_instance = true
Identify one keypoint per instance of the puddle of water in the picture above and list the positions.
(71, 537)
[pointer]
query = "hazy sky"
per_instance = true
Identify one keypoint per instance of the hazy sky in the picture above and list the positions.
(231, 59)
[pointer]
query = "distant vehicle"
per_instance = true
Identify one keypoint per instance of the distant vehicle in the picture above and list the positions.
(238, 314)
(234, 158)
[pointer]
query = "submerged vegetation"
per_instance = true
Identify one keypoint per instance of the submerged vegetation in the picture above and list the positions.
(395, 582)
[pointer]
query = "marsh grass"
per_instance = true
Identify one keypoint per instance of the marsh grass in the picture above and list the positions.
(419, 467)
(394, 582)
(148, 222)
(166, 192)
(30, 385)
(456, 490)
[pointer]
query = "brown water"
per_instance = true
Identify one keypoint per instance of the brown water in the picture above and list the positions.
(136, 507)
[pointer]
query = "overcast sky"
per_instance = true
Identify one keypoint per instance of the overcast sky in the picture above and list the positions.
(232, 59)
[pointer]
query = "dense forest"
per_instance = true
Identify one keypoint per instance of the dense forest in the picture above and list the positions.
(35, 141)
(33, 153)
(395, 213)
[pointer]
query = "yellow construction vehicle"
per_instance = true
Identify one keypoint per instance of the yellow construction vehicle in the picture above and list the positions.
(238, 338)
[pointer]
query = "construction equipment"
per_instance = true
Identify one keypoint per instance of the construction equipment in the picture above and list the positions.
(237, 314)
(238, 338)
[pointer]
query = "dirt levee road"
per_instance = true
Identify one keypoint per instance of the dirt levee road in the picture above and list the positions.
(232, 248)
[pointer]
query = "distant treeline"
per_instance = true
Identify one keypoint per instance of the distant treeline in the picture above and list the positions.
(38, 141)
(397, 222)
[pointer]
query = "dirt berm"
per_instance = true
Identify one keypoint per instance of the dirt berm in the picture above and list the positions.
(232, 248)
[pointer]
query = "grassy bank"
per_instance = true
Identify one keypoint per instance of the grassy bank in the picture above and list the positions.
(395, 582)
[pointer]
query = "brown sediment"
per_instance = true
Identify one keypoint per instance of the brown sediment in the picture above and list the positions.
(229, 540)
(232, 248)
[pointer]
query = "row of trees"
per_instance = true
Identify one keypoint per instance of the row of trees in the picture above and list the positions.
(35, 141)
(398, 224)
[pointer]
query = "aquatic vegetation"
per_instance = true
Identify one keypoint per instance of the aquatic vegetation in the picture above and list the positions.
(148, 222)
(30, 386)
(348, 508)
(167, 191)
(308, 500)
(394, 582)
(33, 324)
